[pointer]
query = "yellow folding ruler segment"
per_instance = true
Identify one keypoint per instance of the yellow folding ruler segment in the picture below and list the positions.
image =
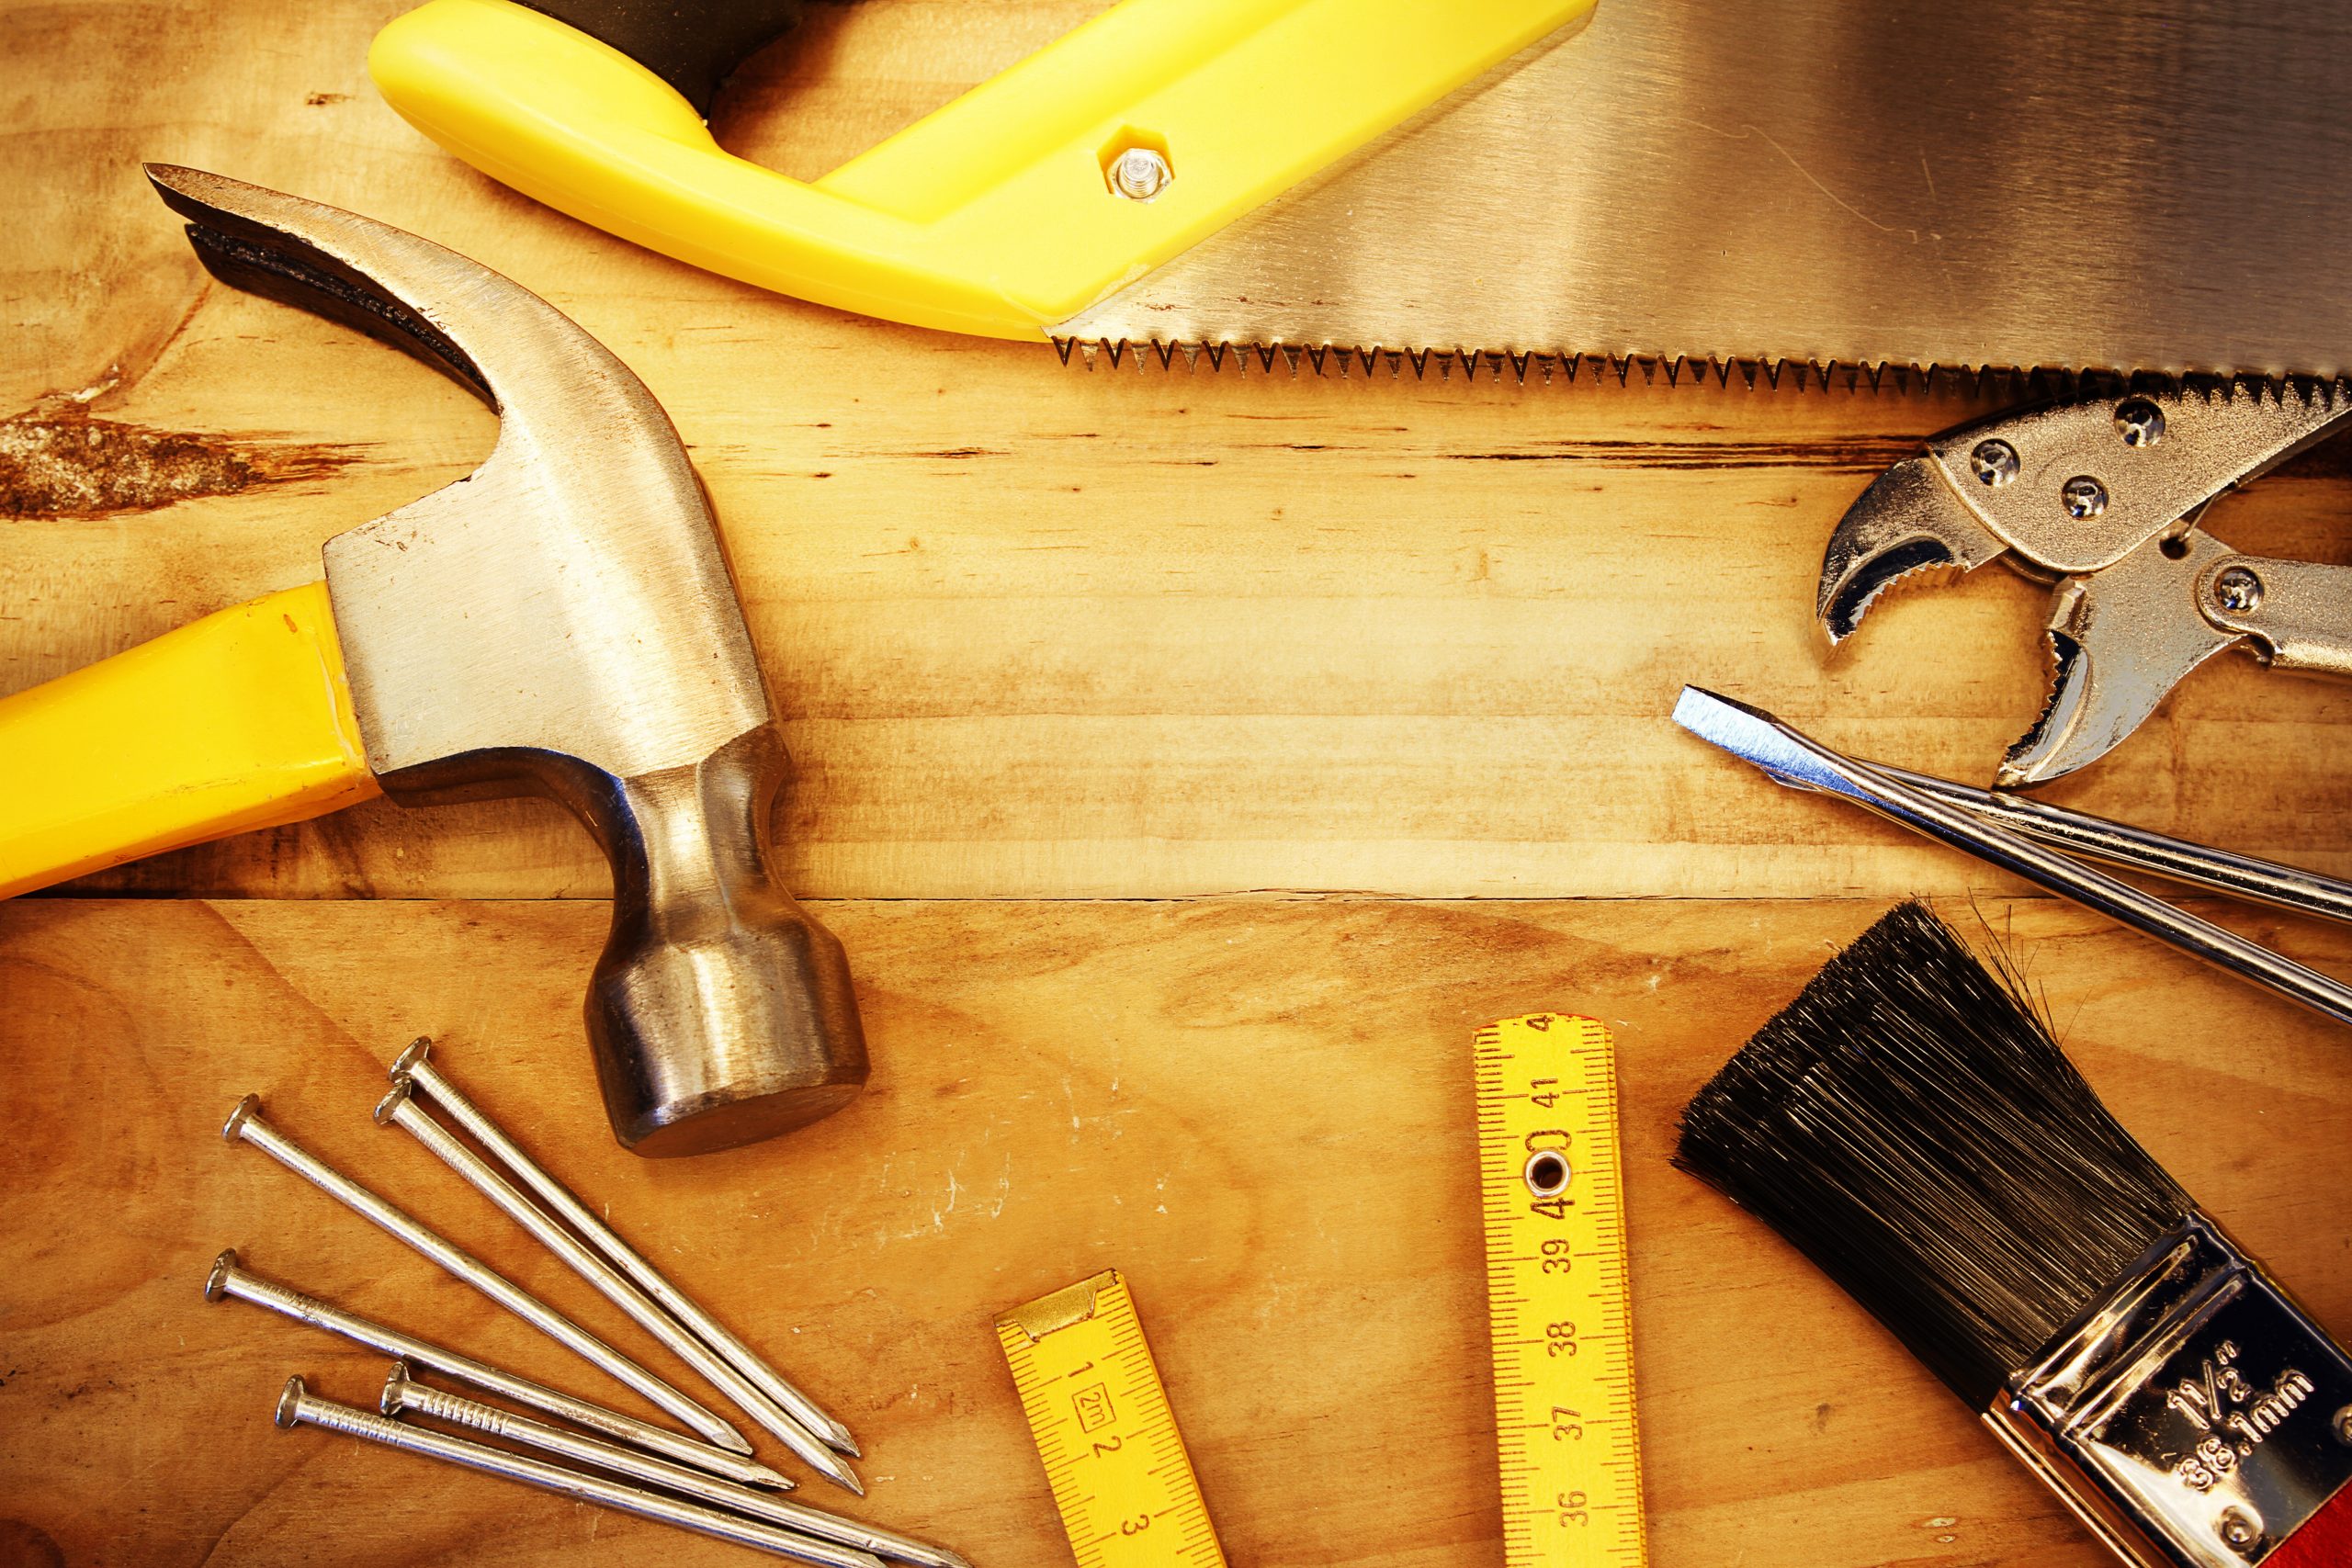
(1122, 1480)
(1548, 1176)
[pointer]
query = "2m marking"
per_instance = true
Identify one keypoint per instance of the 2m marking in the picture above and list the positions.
(1121, 1479)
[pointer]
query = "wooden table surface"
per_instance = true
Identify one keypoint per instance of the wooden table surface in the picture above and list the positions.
(1191, 764)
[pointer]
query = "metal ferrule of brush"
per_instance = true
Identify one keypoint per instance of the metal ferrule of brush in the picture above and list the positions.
(2193, 1418)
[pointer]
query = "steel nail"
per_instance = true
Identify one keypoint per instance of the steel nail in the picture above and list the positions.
(230, 1277)
(403, 1392)
(415, 1064)
(298, 1407)
(245, 1124)
(399, 1107)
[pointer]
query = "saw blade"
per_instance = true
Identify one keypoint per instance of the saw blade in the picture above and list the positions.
(1834, 184)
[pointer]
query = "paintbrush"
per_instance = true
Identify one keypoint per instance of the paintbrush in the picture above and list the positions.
(1910, 1125)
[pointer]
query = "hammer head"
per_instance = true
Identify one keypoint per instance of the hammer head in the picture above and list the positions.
(562, 622)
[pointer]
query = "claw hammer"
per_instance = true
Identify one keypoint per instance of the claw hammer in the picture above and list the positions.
(558, 622)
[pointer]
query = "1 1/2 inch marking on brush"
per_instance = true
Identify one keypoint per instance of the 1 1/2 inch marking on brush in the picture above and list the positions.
(1557, 1297)
(1122, 1480)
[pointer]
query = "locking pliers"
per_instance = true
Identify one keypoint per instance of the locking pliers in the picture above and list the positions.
(2102, 498)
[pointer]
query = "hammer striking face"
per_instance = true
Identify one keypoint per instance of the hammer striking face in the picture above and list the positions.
(560, 623)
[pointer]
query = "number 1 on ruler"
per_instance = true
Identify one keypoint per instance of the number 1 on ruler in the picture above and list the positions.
(1100, 1417)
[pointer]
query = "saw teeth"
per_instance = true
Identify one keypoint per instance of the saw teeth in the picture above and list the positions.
(1754, 372)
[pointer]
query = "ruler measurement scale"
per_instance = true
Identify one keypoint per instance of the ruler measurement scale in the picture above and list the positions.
(1553, 1204)
(1121, 1479)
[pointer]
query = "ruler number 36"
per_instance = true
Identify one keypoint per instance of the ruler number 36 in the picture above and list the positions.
(1572, 1509)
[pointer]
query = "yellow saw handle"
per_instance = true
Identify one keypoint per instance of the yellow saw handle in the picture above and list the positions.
(999, 215)
(243, 719)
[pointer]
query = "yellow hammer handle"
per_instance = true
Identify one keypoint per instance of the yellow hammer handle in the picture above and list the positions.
(240, 720)
(997, 215)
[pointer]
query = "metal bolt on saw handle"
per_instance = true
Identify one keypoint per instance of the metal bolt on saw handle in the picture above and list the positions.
(995, 215)
(298, 1407)
(246, 1126)
(415, 1064)
(399, 1107)
(232, 1280)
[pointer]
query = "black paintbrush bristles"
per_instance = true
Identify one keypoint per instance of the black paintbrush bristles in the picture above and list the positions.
(1909, 1124)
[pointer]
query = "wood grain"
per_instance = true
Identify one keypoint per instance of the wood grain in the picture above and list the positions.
(1042, 632)
(1259, 1109)
(1068, 660)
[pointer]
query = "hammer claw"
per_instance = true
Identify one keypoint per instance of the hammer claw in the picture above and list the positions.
(561, 622)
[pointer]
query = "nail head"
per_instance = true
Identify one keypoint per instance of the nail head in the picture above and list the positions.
(391, 1402)
(398, 1096)
(289, 1403)
(408, 1060)
(234, 1128)
(222, 1267)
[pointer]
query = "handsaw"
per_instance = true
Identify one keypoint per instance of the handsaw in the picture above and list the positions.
(2016, 184)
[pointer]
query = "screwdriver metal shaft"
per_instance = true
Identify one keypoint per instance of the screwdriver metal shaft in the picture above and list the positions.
(1803, 762)
(245, 1124)
(405, 1392)
(298, 1407)
(230, 1277)
(399, 1107)
(415, 1064)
